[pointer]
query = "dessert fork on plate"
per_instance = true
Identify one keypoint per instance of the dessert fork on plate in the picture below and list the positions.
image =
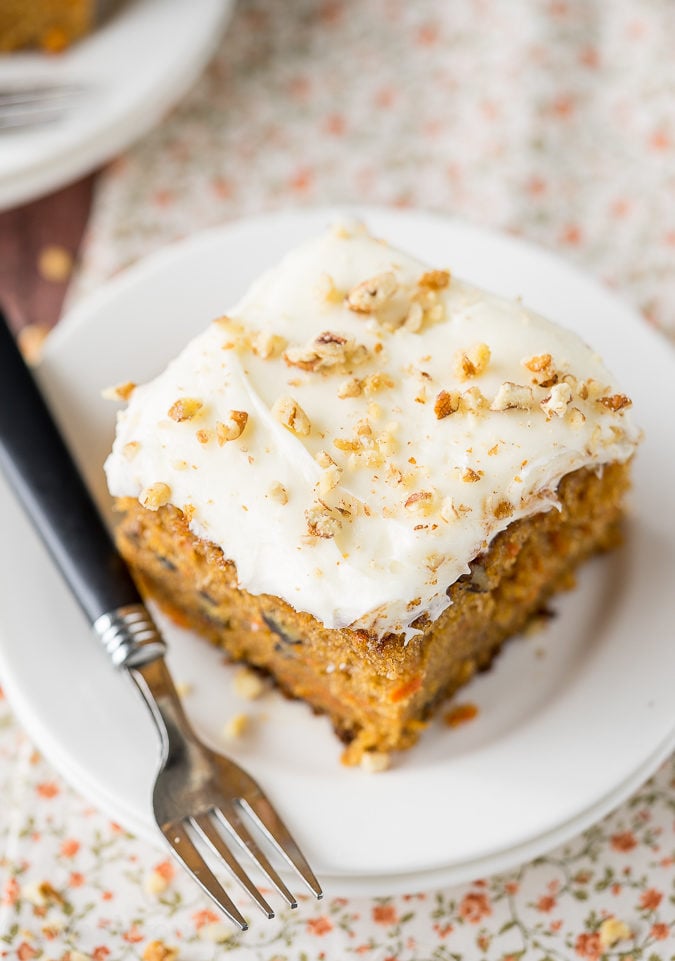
(201, 799)
(36, 103)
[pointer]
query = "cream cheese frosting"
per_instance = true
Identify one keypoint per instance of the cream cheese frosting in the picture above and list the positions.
(360, 426)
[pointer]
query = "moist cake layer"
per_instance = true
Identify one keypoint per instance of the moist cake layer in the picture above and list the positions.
(378, 694)
(361, 426)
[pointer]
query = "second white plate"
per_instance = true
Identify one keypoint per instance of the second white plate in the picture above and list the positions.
(569, 721)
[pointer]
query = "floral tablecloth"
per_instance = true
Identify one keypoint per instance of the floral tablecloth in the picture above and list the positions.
(553, 119)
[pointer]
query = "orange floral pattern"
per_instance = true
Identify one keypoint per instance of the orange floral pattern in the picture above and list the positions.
(551, 120)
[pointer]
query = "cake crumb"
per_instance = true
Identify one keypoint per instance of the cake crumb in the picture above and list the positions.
(236, 727)
(155, 882)
(460, 714)
(159, 951)
(31, 339)
(375, 761)
(155, 496)
(248, 684)
(612, 931)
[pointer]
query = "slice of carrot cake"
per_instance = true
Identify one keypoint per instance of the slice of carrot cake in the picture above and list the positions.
(366, 477)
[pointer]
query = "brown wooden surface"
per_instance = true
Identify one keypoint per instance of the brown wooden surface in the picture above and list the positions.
(39, 244)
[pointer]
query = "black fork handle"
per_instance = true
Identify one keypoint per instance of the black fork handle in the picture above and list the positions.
(43, 475)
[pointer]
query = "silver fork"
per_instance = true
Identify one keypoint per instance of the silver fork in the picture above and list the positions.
(36, 104)
(200, 799)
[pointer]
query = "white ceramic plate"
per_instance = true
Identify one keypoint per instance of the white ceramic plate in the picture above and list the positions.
(571, 720)
(135, 66)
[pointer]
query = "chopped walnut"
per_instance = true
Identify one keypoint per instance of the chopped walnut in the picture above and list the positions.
(374, 762)
(446, 403)
(557, 401)
(119, 391)
(576, 418)
(322, 520)
(374, 383)
(435, 279)
(512, 396)
(238, 338)
(421, 502)
(615, 402)
(278, 493)
(350, 388)
(323, 458)
(155, 496)
(473, 400)
(343, 443)
(499, 507)
(368, 296)
(131, 449)
(327, 351)
(289, 413)
(415, 318)
(541, 365)
(538, 363)
(234, 428)
(327, 290)
(265, 344)
(473, 362)
(329, 479)
(185, 408)
(204, 436)
(470, 476)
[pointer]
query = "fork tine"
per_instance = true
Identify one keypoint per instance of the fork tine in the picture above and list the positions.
(274, 828)
(232, 821)
(208, 831)
(183, 848)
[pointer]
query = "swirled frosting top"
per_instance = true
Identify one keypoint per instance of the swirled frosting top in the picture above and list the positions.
(360, 426)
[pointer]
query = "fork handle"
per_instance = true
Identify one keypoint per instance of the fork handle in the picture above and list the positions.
(43, 475)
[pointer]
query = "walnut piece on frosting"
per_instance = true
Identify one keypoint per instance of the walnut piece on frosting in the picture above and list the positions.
(472, 362)
(265, 344)
(512, 396)
(289, 413)
(327, 351)
(434, 279)
(155, 496)
(233, 429)
(368, 296)
(557, 401)
(615, 402)
(447, 402)
(421, 502)
(278, 493)
(322, 520)
(185, 408)
(119, 391)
